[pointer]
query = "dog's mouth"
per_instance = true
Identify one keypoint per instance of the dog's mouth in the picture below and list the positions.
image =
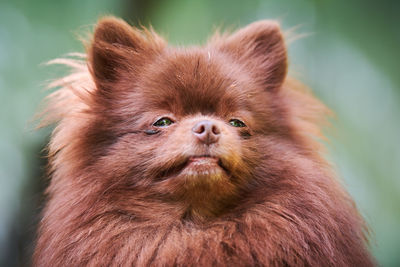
(203, 160)
(198, 165)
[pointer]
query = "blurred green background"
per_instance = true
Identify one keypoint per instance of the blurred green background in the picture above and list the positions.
(351, 59)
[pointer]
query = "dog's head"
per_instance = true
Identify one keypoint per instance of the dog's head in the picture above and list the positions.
(187, 125)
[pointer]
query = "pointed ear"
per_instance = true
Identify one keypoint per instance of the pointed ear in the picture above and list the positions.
(117, 48)
(260, 47)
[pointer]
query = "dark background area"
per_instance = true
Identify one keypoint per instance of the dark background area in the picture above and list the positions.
(350, 57)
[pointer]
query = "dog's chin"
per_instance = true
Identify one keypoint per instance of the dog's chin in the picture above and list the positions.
(201, 184)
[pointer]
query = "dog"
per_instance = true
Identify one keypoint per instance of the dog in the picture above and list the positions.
(199, 156)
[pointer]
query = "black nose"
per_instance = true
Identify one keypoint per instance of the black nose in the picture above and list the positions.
(206, 132)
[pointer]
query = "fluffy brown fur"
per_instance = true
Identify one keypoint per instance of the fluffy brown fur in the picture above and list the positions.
(199, 191)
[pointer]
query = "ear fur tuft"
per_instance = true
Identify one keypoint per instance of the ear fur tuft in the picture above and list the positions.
(261, 47)
(117, 48)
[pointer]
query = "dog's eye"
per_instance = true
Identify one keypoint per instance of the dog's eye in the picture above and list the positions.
(237, 123)
(163, 122)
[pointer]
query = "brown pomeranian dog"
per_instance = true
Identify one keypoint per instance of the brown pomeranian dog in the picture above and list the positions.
(200, 156)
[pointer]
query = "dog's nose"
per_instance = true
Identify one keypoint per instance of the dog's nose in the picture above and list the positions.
(206, 132)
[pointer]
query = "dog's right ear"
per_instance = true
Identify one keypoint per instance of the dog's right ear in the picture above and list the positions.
(117, 49)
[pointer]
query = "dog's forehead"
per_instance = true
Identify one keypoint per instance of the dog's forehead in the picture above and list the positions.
(194, 80)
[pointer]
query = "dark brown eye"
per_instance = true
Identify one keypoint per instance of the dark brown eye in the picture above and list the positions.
(163, 122)
(237, 123)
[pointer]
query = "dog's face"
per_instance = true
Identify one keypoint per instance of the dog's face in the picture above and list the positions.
(187, 126)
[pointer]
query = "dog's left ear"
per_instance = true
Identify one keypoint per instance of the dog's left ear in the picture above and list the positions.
(261, 48)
